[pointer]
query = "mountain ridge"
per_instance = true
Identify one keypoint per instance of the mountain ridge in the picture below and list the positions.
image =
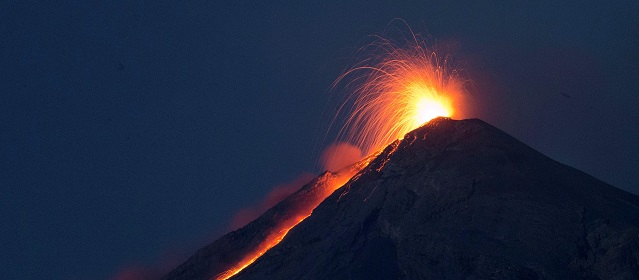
(462, 199)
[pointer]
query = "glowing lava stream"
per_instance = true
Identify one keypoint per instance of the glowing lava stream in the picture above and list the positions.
(393, 91)
(318, 190)
(269, 242)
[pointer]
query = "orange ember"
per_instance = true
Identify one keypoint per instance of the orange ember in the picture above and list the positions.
(395, 90)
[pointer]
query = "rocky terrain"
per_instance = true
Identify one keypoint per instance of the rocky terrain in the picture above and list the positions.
(452, 200)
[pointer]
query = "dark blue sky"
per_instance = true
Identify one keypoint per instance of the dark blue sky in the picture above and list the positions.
(130, 132)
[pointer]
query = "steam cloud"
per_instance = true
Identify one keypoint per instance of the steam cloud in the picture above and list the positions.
(334, 158)
(340, 155)
(276, 195)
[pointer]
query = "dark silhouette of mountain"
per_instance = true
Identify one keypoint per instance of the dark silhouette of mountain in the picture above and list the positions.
(452, 200)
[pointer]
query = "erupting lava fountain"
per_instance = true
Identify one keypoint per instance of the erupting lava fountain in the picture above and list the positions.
(397, 88)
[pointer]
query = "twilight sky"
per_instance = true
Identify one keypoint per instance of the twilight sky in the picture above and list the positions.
(131, 132)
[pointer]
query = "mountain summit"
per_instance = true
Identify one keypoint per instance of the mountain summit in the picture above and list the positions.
(452, 200)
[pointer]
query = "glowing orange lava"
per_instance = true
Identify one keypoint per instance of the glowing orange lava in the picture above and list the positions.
(319, 189)
(270, 241)
(395, 89)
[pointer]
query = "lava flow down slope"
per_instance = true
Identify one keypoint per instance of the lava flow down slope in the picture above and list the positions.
(453, 199)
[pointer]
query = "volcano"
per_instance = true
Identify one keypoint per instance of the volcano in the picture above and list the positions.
(451, 200)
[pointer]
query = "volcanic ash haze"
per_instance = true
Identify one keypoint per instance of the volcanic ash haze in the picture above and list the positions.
(451, 200)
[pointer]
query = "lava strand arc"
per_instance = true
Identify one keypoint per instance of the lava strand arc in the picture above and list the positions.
(398, 87)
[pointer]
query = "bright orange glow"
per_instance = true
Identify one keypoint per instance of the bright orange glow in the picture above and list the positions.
(428, 106)
(268, 243)
(394, 90)
(319, 190)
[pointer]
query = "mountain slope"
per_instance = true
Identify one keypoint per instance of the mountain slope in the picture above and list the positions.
(462, 199)
(455, 199)
(234, 250)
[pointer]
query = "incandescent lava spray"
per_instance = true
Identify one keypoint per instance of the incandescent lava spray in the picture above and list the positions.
(395, 88)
